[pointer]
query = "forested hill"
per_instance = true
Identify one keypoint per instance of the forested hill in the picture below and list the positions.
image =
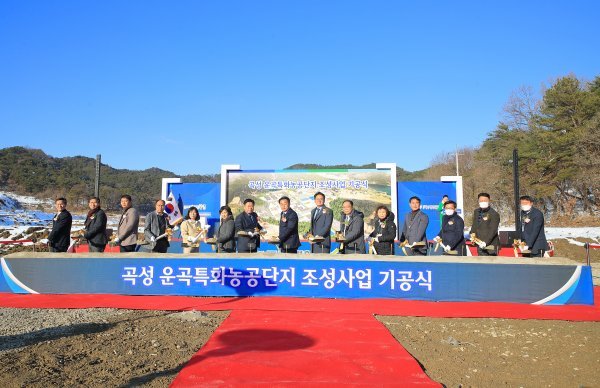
(33, 172)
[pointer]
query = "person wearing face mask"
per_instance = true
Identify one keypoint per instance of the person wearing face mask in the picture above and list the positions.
(485, 226)
(452, 232)
(532, 228)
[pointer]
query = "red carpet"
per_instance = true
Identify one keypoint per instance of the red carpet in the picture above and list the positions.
(288, 348)
(300, 341)
(369, 306)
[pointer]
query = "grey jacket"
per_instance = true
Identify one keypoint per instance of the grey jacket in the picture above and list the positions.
(152, 228)
(226, 235)
(128, 227)
(415, 230)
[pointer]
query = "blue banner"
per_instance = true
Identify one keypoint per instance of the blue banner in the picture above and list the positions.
(299, 277)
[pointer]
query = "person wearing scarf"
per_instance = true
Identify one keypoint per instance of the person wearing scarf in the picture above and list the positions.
(384, 234)
(95, 226)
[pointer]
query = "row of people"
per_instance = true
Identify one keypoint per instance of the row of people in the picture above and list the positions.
(94, 230)
(484, 231)
(243, 233)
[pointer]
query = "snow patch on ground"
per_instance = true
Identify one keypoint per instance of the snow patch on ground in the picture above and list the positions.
(571, 233)
(554, 233)
(25, 200)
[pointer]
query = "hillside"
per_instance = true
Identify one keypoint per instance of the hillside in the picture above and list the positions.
(28, 171)
(33, 172)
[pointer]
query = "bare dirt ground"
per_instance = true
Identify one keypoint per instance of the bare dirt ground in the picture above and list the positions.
(99, 347)
(502, 352)
(126, 348)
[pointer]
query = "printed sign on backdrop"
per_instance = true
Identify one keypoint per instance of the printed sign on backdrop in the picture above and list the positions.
(367, 188)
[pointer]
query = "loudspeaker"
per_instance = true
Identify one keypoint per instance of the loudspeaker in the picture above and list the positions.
(507, 237)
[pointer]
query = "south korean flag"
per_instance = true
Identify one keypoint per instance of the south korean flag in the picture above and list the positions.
(172, 210)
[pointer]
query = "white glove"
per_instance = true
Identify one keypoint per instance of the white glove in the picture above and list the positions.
(376, 239)
(482, 245)
(525, 248)
(117, 240)
(447, 248)
(437, 238)
(190, 239)
(251, 234)
(152, 239)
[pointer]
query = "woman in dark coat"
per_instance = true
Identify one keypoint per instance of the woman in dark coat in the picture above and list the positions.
(226, 233)
(384, 234)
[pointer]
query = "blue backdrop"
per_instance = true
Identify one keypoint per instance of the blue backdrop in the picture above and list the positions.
(206, 197)
(431, 195)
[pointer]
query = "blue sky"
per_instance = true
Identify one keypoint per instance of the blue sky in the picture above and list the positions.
(190, 85)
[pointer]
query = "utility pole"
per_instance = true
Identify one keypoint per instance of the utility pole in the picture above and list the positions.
(516, 192)
(456, 157)
(97, 185)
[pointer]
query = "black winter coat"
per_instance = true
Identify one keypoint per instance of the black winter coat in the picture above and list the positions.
(288, 230)
(60, 236)
(95, 229)
(453, 233)
(387, 230)
(485, 226)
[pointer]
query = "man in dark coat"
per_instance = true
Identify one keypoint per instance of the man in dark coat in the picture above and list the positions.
(533, 234)
(486, 221)
(247, 222)
(415, 228)
(353, 229)
(95, 226)
(452, 233)
(384, 234)
(289, 241)
(321, 218)
(59, 238)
